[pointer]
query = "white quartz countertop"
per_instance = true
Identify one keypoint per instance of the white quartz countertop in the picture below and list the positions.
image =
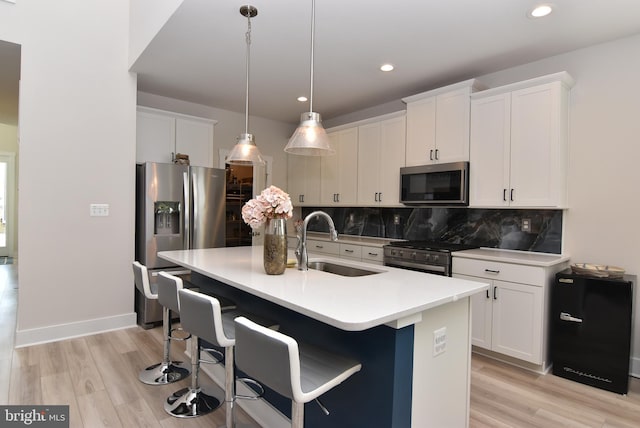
(394, 297)
(512, 256)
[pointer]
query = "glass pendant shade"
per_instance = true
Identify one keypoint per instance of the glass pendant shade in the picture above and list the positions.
(310, 138)
(245, 152)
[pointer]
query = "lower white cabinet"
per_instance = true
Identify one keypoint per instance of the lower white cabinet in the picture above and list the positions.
(510, 318)
(365, 253)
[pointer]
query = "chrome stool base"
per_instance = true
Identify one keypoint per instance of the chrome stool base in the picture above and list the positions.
(190, 403)
(164, 373)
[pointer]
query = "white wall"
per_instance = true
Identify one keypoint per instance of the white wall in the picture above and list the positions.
(147, 18)
(271, 136)
(77, 146)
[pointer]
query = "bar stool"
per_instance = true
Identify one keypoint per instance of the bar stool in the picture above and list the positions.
(203, 317)
(166, 371)
(296, 371)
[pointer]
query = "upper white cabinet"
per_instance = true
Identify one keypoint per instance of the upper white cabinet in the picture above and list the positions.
(339, 173)
(303, 179)
(518, 144)
(161, 134)
(380, 157)
(438, 124)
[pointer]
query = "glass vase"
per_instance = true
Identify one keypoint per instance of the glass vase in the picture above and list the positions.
(275, 246)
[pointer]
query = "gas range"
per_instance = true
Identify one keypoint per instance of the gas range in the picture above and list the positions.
(424, 256)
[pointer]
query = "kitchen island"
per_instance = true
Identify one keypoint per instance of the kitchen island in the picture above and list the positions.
(388, 320)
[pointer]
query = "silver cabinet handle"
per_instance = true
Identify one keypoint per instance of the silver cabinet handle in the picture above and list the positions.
(380, 197)
(567, 317)
(495, 291)
(373, 254)
(431, 154)
(348, 251)
(511, 195)
(504, 195)
(319, 246)
(437, 154)
(492, 271)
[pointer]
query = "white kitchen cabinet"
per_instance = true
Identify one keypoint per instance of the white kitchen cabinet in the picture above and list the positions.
(303, 180)
(339, 173)
(381, 147)
(508, 318)
(161, 134)
(511, 317)
(438, 124)
(518, 144)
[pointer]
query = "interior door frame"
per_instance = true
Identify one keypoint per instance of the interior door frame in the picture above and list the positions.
(10, 159)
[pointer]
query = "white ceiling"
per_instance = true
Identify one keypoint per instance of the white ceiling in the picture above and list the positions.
(199, 55)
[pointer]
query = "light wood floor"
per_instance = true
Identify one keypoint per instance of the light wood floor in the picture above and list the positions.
(97, 376)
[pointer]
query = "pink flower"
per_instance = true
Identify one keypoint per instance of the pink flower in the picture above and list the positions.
(271, 203)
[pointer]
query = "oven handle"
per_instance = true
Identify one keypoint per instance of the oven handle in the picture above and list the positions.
(422, 267)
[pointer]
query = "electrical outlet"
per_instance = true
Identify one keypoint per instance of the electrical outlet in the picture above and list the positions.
(526, 225)
(98, 210)
(439, 341)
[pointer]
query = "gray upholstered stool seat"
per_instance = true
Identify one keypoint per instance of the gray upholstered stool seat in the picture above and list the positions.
(202, 317)
(296, 371)
(166, 371)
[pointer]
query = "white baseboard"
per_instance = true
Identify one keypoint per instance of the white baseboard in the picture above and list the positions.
(635, 367)
(54, 333)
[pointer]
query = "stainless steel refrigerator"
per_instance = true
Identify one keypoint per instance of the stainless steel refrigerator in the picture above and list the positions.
(177, 207)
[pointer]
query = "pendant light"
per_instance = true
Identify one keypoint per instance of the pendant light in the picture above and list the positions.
(310, 138)
(245, 152)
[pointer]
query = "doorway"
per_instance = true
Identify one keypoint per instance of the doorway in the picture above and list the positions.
(7, 206)
(243, 183)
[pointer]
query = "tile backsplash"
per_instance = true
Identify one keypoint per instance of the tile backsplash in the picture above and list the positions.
(496, 228)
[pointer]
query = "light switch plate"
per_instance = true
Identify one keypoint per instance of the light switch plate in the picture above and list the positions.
(99, 210)
(439, 341)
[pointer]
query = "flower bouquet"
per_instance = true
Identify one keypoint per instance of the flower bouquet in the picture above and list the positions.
(272, 207)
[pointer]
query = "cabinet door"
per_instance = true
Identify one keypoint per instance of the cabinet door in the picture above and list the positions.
(339, 173)
(452, 126)
(369, 162)
(392, 136)
(489, 151)
(303, 179)
(155, 137)
(421, 132)
(517, 321)
(195, 138)
(536, 152)
(481, 314)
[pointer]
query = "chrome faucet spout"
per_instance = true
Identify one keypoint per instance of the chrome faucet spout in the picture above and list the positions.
(301, 249)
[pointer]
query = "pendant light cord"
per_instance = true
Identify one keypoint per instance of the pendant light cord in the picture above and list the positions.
(313, 30)
(248, 40)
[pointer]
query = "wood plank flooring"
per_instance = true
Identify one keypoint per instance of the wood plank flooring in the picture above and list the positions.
(97, 376)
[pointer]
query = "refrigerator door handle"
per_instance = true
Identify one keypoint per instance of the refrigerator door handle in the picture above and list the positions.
(187, 210)
(567, 317)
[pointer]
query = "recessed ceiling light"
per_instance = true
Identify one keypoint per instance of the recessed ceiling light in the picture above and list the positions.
(540, 11)
(302, 99)
(386, 67)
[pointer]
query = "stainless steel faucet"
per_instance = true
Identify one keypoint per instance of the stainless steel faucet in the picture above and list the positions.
(301, 249)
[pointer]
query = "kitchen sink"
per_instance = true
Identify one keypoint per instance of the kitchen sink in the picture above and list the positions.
(342, 270)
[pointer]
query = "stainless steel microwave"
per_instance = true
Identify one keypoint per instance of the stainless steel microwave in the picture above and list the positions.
(436, 184)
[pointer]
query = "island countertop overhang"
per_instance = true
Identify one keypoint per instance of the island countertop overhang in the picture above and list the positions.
(347, 303)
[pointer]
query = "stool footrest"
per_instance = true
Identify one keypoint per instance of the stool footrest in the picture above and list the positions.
(217, 359)
(248, 381)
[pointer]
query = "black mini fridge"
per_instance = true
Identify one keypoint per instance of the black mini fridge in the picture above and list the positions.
(590, 330)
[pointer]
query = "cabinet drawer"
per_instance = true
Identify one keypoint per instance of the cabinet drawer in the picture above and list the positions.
(324, 247)
(351, 251)
(373, 254)
(532, 275)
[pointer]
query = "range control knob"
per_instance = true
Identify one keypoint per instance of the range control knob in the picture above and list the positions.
(413, 255)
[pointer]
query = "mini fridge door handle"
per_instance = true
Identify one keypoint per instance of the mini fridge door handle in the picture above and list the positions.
(567, 317)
